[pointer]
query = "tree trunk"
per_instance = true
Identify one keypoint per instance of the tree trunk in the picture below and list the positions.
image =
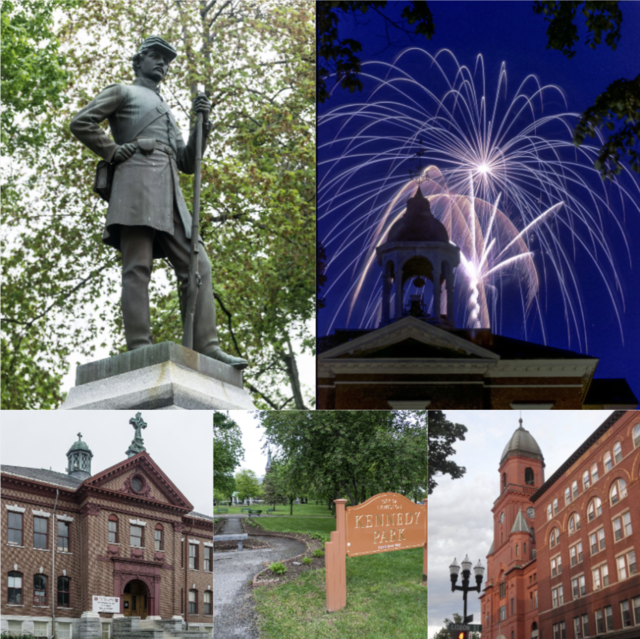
(289, 360)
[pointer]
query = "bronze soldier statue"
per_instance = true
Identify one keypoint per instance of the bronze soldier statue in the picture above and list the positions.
(148, 217)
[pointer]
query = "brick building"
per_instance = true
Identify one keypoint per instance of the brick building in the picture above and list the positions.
(563, 561)
(125, 532)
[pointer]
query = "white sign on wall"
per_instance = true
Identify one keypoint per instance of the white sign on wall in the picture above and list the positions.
(106, 604)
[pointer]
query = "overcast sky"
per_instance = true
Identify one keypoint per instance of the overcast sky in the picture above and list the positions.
(180, 442)
(460, 519)
(252, 441)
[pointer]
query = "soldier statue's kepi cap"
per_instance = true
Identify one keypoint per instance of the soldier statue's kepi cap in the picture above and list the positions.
(158, 44)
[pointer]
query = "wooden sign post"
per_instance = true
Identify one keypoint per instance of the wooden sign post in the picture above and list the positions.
(386, 522)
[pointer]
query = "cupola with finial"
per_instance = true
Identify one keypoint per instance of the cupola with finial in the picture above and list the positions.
(79, 459)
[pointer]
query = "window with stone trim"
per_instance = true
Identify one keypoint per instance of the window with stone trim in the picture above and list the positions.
(622, 526)
(208, 602)
(594, 472)
(567, 496)
(159, 537)
(635, 604)
(636, 436)
(575, 554)
(586, 482)
(136, 536)
(617, 453)
(193, 602)
(549, 512)
(625, 613)
(559, 631)
(577, 628)
(597, 541)
(64, 592)
(554, 537)
(64, 532)
(113, 525)
(608, 617)
(557, 596)
(574, 489)
(63, 630)
(574, 523)
(556, 566)
(39, 590)
(194, 552)
(14, 591)
(585, 625)
(600, 576)
(208, 552)
(14, 628)
(618, 491)
(40, 532)
(555, 506)
(503, 613)
(578, 586)
(594, 509)
(106, 630)
(14, 532)
(599, 621)
(40, 629)
(607, 461)
(503, 589)
(627, 565)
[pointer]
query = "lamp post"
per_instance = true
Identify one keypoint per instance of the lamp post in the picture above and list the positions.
(454, 569)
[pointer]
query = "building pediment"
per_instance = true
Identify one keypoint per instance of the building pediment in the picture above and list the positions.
(441, 343)
(138, 478)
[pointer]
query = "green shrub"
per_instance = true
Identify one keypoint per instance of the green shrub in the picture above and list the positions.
(318, 553)
(278, 568)
(307, 560)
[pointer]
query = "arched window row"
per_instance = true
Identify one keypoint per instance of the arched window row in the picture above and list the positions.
(15, 589)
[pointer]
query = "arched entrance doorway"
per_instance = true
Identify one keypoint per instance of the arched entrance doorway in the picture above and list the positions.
(135, 598)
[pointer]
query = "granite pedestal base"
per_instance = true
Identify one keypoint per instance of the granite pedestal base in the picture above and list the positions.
(162, 376)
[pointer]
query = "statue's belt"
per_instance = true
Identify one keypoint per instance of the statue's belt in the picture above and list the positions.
(147, 146)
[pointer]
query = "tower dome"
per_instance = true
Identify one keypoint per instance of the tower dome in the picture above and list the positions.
(79, 458)
(418, 223)
(522, 443)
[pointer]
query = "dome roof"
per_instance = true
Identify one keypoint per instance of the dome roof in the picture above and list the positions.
(522, 443)
(418, 223)
(79, 445)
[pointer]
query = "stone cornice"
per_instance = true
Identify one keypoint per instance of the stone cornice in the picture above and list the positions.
(389, 366)
(543, 368)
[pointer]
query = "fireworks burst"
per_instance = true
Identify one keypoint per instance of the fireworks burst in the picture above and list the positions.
(518, 198)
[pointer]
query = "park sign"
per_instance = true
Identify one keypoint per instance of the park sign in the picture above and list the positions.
(385, 522)
(388, 521)
(105, 604)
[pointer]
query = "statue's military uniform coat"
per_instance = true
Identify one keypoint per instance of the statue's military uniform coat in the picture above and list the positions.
(146, 187)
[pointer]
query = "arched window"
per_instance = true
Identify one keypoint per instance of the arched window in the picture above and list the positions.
(585, 480)
(617, 452)
(554, 538)
(574, 523)
(618, 491)
(64, 588)
(636, 436)
(504, 480)
(15, 587)
(529, 476)
(208, 607)
(114, 537)
(193, 602)
(594, 472)
(594, 509)
(39, 590)
(159, 537)
(608, 464)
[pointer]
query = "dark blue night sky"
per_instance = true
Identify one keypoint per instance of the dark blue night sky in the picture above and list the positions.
(502, 32)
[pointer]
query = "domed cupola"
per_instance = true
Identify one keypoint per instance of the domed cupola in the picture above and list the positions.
(79, 459)
(417, 249)
(522, 443)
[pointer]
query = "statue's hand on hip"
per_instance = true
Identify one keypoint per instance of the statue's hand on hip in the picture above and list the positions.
(124, 152)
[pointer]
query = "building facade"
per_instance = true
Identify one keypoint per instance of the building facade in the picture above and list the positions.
(126, 532)
(563, 561)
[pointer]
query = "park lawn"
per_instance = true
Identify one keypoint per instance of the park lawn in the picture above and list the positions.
(282, 511)
(385, 599)
(318, 525)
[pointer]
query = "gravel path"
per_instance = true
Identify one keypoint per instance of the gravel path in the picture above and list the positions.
(234, 615)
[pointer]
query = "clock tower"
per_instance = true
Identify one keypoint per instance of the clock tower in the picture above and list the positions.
(505, 601)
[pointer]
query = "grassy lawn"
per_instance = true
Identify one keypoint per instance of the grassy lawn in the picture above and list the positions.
(323, 525)
(283, 511)
(385, 599)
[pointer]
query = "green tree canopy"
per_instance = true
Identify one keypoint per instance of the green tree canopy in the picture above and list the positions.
(247, 485)
(356, 453)
(61, 284)
(227, 453)
(442, 435)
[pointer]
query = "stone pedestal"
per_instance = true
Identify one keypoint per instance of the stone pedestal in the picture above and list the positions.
(162, 376)
(90, 626)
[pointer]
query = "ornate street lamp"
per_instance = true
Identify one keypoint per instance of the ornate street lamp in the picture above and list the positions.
(454, 569)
